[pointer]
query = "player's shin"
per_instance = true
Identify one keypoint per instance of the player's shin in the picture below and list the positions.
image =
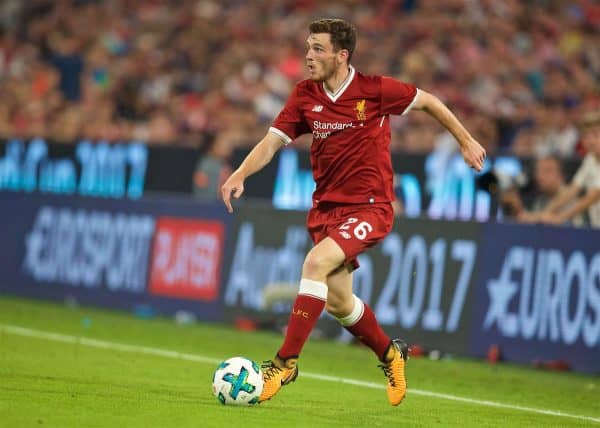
(361, 322)
(307, 308)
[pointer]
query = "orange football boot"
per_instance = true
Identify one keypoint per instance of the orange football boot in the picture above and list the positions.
(276, 373)
(394, 371)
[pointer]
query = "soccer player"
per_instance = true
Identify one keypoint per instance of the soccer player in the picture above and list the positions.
(348, 115)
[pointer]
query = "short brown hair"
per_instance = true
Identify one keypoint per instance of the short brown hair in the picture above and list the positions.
(342, 33)
(589, 120)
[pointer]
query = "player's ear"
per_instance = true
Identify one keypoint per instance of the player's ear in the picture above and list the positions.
(343, 55)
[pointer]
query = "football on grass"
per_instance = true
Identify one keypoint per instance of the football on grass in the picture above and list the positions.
(238, 381)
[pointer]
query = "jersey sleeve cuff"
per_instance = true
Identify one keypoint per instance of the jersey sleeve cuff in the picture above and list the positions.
(286, 139)
(412, 103)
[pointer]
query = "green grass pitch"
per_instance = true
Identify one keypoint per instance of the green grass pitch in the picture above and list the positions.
(51, 382)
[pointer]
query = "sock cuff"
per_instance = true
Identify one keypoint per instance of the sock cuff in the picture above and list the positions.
(316, 289)
(355, 315)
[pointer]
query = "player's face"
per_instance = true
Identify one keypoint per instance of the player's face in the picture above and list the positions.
(321, 59)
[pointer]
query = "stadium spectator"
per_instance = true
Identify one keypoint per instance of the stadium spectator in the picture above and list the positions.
(568, 204)
(548, 182)
(213, 168)
(68, 61)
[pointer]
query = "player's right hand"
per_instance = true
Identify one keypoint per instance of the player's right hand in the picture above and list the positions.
(234, 185)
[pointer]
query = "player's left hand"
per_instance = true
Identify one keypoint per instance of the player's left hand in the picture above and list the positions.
(473, 154)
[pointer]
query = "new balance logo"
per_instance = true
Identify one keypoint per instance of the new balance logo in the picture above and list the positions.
(318, 109)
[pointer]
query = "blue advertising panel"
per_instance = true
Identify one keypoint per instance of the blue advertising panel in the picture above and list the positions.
(164, 254)
(128, 169)
(538, 295)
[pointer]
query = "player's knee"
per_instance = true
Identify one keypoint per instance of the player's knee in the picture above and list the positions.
(315, 267)
(333, 308)
(338, 306)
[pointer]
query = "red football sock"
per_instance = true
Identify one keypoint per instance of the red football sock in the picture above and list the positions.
(306, 311)
(364, 326)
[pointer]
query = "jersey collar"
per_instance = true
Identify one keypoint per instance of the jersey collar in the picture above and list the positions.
(333, 96)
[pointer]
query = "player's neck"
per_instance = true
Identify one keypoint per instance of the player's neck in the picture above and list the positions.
(337, 80)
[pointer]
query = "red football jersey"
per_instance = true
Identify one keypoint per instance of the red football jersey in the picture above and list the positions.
(350, 151)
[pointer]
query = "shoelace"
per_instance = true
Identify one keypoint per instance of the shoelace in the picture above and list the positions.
(387, 369)
(271, 369)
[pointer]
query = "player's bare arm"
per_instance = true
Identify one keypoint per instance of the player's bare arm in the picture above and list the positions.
(258, 157)
(473, 153)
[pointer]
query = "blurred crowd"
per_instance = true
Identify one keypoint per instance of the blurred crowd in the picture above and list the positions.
(213, 74)
(519, 73)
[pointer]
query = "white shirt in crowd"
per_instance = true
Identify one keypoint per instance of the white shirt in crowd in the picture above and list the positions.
(588, 177)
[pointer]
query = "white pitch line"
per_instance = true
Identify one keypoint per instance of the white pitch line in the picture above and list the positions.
(103, 344)
(452, 397)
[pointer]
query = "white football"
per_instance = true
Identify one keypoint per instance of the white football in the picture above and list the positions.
(238, 381)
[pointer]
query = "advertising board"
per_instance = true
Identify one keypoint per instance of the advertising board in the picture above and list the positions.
(419, 280)
(165, 254)
(539, 295)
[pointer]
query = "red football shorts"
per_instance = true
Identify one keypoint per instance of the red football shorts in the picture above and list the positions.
(354, 227)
